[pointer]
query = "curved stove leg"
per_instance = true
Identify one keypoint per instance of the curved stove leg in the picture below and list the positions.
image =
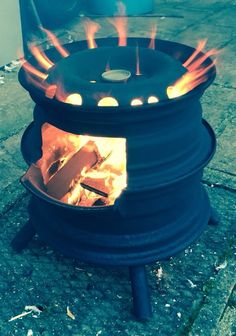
(214, 218)
(140, 292)
(23, 237)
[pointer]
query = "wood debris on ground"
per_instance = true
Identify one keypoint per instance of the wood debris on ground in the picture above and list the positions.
(221, 266)
(20, 316)
(34, 309)
(28, 310)
(159, 273)
(69, 313)
(192, 285)
(13, 66)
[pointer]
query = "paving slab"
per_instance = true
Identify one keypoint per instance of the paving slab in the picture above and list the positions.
(186, 286)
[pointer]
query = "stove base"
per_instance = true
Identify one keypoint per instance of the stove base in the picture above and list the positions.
(141, 297)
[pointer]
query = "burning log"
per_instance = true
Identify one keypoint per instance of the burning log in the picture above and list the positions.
(95, 185)
(60, 182)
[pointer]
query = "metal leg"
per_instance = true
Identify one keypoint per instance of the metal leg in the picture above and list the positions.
(140, 292)
(23, 237)
(214, 218)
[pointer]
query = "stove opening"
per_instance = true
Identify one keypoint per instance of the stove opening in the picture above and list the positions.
(82, 170)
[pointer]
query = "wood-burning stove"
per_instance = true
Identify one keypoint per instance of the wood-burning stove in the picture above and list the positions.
(164, 206)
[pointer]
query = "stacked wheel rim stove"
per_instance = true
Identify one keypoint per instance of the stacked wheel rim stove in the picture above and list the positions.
(164, 207)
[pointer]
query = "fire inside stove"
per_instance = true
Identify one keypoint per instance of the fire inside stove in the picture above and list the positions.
(91, 171)
(121, 65)
(82, 170)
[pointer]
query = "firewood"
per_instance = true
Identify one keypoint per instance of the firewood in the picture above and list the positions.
(60, 182)
(96, 185)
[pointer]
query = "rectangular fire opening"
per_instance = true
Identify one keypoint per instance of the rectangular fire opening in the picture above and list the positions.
(82, 170)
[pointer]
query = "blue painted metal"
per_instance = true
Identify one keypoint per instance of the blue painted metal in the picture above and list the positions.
(164, 207)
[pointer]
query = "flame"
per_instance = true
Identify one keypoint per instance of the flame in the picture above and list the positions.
(153, 37)
(138, 72)
(103, 182)
(56, 43)
(136, 102)
(33, 71)
(201, 45)
(36, 77)
(40, 56)
(121, 24)
(108, 67)
(196, 73)
(153, 100)
(91, 29)
(108, 101)
(51, 91)
(74, 99)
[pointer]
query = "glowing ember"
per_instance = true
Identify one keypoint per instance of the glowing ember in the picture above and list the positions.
(152, 100)
(108, 101)
(91, 28)
(99, 184)
(74, 99)
(136, 102)
(120, 23)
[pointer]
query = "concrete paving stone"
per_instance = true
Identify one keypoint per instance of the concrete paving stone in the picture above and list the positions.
(10, 190)
(226, 145)
(209, 5)
(218, 106)
(218, 178)
(217, 37)
(96, 304)
(16, 107)
(226, 72)
(225, 17)
(218, 320)
(12, 147)
(226, 324)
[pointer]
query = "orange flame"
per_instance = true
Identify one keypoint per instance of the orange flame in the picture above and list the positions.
(121, 23)
(91, 28)
(40, 56)
(41, 85)
(197, 73)
(33, 71)
(153, 37)
(51, 91)
(56, 43)
(201, 45)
